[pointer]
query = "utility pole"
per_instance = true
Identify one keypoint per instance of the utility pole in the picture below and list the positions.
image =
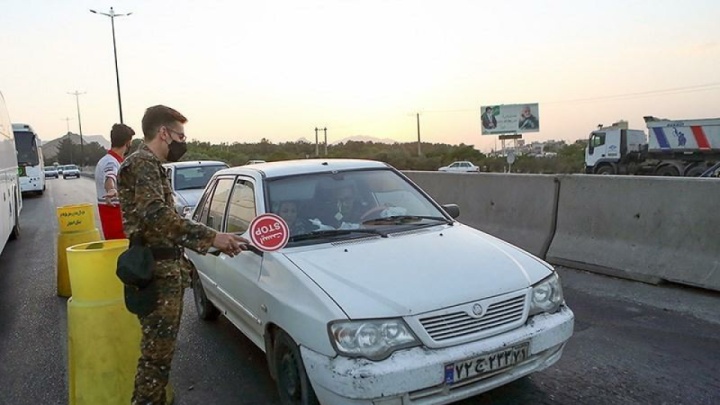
(67, 123)
(418, 131)
(317, 147)
(325, 131)
(82, 147)
(112, 14)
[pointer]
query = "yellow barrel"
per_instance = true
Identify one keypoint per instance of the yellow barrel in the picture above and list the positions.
(65, 240)
(76, 218)
(103, 337)
(92, 270)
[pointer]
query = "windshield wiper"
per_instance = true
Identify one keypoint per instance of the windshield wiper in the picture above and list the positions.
(335, 232)
(403, 219)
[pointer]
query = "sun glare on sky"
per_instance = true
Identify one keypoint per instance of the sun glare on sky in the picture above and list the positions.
(243, 71)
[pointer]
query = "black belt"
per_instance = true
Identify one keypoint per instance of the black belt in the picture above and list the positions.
(166, 253)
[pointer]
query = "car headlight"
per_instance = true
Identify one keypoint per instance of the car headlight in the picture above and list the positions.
(374, 339)
(547, 295)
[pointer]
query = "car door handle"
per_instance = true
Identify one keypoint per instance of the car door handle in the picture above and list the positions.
(251, 248)
(255, 250)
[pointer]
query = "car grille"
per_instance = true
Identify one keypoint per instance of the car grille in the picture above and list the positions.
(462, 324)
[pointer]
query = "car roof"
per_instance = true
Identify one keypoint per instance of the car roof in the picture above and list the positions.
(195, 163)
(303, 166)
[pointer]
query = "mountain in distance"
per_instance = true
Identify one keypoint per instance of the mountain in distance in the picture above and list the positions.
(357, 138)
(50, 147)
(364, 138)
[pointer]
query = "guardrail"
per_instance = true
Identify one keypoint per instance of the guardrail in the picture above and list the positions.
(648, 229)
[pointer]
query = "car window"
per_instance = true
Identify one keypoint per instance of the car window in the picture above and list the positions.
(347, 200)
(194, 177)
(454, 165)
(242, 207)
(218, 204)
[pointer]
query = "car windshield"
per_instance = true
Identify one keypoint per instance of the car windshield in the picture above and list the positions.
(195, 177)
(361, 202)
(70, 167)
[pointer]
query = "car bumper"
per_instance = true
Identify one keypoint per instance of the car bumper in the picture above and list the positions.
(417, 375)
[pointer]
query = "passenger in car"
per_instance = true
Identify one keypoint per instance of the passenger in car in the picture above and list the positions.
(288, 210)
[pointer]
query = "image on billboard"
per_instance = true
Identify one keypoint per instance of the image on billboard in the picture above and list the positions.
(510, 118)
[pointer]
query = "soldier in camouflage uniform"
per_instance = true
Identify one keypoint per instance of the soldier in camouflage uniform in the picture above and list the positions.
(148, 210)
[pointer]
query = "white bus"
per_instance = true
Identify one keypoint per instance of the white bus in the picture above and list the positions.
(31, 164)
(11, 203)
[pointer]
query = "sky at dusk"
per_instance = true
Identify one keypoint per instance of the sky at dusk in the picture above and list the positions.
(246, 70)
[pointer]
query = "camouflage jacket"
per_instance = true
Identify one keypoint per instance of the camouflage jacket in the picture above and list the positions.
(146, 200)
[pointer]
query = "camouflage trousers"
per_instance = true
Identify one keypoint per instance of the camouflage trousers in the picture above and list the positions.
(159, 333)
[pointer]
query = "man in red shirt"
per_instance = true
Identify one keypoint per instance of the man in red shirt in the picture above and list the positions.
(106, 181)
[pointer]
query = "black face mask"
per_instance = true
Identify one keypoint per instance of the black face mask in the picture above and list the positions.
(177, 150)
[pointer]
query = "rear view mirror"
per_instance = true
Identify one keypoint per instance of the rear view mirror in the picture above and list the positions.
(452, 209)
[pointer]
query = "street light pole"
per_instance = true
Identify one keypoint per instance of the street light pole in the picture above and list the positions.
(82, 147)
(112, 16)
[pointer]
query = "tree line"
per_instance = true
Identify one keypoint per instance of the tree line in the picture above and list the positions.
(567, 158)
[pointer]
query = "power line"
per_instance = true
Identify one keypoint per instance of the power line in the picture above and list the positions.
(676, 90)
(626, 96)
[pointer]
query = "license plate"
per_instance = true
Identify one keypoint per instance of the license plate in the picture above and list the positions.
(485, 364)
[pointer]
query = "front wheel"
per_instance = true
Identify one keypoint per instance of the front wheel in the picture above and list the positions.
(206, 310)
(15, 233)
(605, 170)
(292, 381)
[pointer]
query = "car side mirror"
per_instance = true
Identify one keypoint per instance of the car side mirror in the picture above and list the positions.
(452, 209)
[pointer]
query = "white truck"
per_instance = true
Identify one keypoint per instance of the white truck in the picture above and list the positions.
(675, 148)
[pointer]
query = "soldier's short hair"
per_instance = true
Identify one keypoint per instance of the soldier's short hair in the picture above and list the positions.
(120, 135)
(158, 116)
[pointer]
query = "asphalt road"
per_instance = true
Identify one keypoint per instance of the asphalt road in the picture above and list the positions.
(633, 343)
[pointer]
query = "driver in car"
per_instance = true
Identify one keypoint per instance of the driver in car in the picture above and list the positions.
(348, 209)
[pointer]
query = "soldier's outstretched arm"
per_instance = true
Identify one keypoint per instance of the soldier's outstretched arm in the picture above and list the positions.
(162, 217)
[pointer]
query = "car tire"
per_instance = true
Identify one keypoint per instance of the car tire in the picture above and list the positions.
(293, 385)
(206, 310)
(15, 233)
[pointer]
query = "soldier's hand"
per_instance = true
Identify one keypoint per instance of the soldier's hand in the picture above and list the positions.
(230, 244)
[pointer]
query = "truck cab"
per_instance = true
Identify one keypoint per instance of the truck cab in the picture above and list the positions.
(610, 146)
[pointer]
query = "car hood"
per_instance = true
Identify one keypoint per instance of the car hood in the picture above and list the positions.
(414, 273)
(188, 197)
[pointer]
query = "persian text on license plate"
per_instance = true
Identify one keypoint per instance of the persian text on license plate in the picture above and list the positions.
(465, 369)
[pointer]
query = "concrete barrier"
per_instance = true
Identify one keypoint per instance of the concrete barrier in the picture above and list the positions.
(643, 228)
(517, 208)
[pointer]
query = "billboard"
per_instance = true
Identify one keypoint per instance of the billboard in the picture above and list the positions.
(510, 118)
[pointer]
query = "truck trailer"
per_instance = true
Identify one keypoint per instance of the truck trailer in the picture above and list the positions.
(671, 148)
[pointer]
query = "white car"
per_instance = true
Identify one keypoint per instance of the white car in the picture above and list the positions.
(50, 171)
(380, 296)
(188, 180)
(460, 167)
(70, 171)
